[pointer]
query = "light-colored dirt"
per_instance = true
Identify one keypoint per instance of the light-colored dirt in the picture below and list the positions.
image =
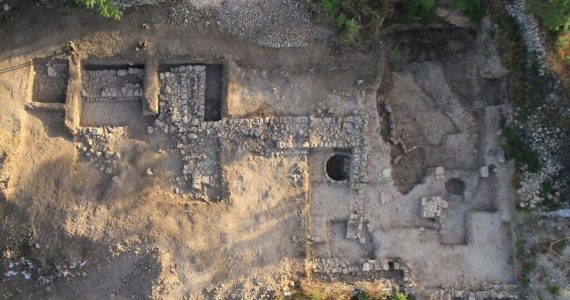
(133, 233)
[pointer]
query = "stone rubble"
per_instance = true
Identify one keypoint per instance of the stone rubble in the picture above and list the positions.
(112, 85)
(546, 141)
(439, 173)
(273, 24)
(181, 102)
(29, 269)
(92, 143)
(489, 290)
(532, 35)
(434, 207)
(297, 175)
(362, 268)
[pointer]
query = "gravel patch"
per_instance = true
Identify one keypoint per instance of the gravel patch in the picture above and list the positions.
(268, 23)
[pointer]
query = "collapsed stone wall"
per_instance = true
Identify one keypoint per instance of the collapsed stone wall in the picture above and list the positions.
(327, 268)
(112, 84)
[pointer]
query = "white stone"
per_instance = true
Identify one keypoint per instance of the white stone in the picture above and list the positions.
(386, 173)
(439, 171)
(484, 172)
(51, 71)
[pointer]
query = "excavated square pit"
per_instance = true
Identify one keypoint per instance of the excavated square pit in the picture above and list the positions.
(111, 95)
(50, 76)
(198, 86)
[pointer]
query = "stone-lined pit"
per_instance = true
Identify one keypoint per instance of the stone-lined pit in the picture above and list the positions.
(338, 167)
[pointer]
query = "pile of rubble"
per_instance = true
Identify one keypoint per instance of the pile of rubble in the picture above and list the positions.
(183, 87)
(363, 268)
(274, 24)
(548, 142)
(297, 175)
(532, 35)
(30, 270)
(489, 290)
(434, 207)
(181, 101)
(112, 85)
(93, 143)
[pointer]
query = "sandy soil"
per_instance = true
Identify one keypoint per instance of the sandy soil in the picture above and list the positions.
(70, 229)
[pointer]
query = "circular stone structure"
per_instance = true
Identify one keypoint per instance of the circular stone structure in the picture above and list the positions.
(338, 167)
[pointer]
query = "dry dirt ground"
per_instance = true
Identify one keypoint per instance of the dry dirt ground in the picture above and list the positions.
(74, 228)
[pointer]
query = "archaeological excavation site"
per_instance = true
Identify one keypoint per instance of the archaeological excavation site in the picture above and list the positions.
(291, 149)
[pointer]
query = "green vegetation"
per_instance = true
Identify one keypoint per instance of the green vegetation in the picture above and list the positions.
(106, 8)
(418, 9)
(398, 296)
(426, 8)
(324, 291)
(471, 8)
(527, 265)
(554, 14)
(362, 296)
(548, 189)
(555, 290)
(516, 149)
(357, 22)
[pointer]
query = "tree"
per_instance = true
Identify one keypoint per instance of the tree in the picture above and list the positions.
(106, 8)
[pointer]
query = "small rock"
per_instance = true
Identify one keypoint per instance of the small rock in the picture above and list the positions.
(484, 171)
(149, 172)
(501, 156)
(386, 173)
(439, 171)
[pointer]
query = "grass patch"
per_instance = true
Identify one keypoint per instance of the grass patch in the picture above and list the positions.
(547, 188)
(555, 290)
(554, 14)
(521, 153)
(471, 8)
(418, 9)
(357, 22)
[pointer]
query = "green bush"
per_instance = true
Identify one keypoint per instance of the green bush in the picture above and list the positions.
(516, 149)
(398, 296)
(418, 8)
(106, 8)
(357, 22)
(555, 290)
(471, 8)
(554, 14)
